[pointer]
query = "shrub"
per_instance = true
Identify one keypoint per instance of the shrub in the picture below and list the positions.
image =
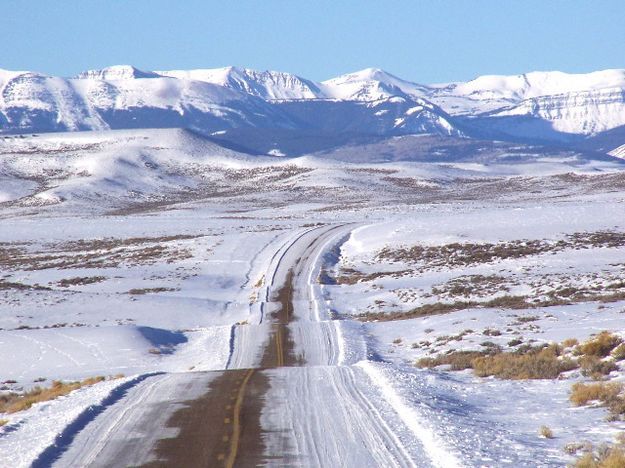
(546, 432)
(424, 310)
(570, 342)
(573, 447)
(618, 353)
(527, 362)
(515, 342)
(587, 461)
(595, 367)
(601, 345)
(139, 291)
(604, 392)
(609, 457)
(529, 318)
(458, 360)
(614, 459)
(507, 302)
(489, 344)
(537, 363)
(13, 402)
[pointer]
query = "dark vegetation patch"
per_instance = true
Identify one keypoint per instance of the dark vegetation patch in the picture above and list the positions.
(79, 281)
(464, 254)
(139, 291)
(350, 276)
(11, 285)
(539, 362)
(604, 456)
(545, 361)
(469, 285)
(96, 253)
(608, 394)
(14, 402)
(600, 346)
(457, 360)
(504, 302)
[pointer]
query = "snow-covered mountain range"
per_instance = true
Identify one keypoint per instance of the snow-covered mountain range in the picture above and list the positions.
(235, 104)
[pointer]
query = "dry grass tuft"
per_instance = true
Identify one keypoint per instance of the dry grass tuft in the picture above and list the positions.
(570, 342)
(13, 402)
(437, 308)
(79, 281)
(546, 432)
(139, 291)
(601, 345)
(458, 360)
(605, 392)
(541, 362)
(607, 457)
(594, 367)
(574, 447)
(529, 363)
(618, 353)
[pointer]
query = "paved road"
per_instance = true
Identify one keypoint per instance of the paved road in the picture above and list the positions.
(300, 405)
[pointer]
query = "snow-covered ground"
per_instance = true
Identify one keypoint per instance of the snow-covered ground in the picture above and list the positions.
(154, 260)
(512, 412)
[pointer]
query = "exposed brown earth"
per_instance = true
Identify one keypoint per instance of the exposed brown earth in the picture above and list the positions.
(219, 428)
(222, 427)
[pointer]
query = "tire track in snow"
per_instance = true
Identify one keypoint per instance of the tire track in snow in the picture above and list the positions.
(336, 350)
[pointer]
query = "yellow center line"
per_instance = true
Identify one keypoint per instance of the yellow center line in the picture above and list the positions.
(236, 422)
(279, 348)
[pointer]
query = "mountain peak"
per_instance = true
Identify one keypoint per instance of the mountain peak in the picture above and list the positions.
(538, 83)
(117, 72)
(371, 84)
(366, 74)
(263, 84)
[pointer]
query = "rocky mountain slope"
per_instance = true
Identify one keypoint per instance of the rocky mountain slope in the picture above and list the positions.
(236, 104)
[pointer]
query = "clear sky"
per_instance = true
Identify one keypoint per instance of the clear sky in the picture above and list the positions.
(423, 41)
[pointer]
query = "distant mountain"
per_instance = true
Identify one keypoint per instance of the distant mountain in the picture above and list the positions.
(210, 101)
(116, 72)
(266, 85)
(371, 84)
(124, 97)
(539, 107)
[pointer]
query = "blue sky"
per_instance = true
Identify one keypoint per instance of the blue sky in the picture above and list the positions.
(423, 41)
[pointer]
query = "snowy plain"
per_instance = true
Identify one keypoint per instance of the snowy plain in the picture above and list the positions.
(144, 253)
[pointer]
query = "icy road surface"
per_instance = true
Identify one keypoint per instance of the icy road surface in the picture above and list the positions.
(327, 412)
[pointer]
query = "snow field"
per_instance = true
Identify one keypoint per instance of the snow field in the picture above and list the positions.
(488, 421)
